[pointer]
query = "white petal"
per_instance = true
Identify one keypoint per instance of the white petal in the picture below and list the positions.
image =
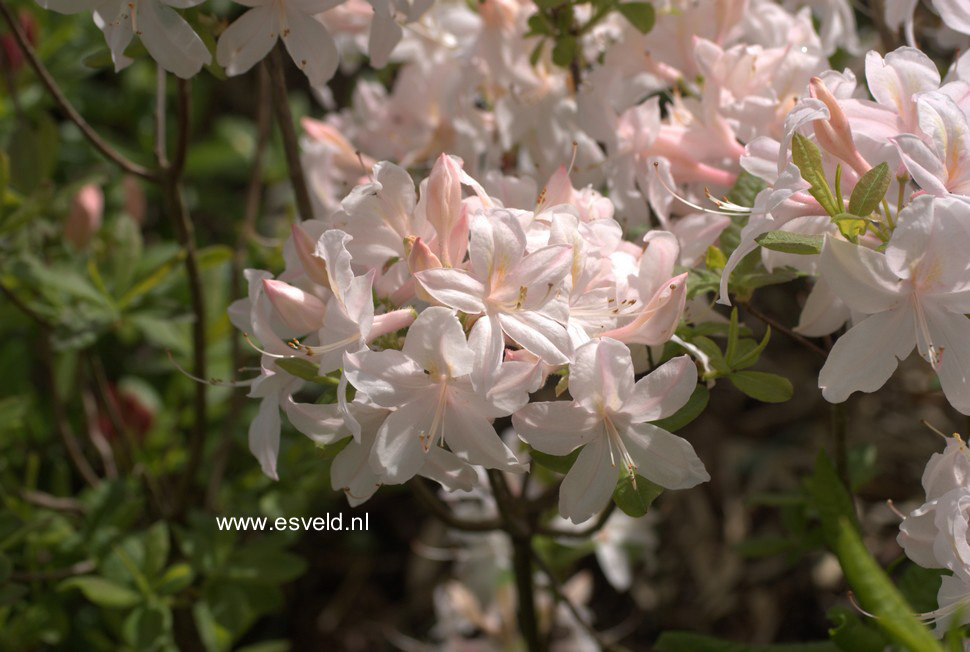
(601, 374)
(264, 435)
(471, 437)
(823, 312)
(351, 471)
(389, 378)
(448, 470)
(664, 458)
(311, 47)
(454, 288)
(864, 358)
(916, 535)
(248, 40)
(859, 276)
(951, 336)
(538, 334)
(556, 427)
(663, 391)
(398, 451)
(436, 341)
(587, 487)
(385, 33)
(170, 40)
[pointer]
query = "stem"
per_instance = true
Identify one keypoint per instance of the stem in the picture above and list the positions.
(440, 511)
(528, 618)
(253, 200)
(585, 532)
(840, 443)
(45, 77)
(811, 346)
(284, 118)
(171, 174)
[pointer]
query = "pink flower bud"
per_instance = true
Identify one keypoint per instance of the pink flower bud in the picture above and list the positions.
(835, 135)
(299, 310)
(84, 218)
(134, 198)
(420, 258)
(313, 266)
(444, 200)
(391, 322)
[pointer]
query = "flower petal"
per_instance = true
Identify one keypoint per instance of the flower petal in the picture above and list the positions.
(664, 458)
(248, 40)
(436, 341)
(861, 277)
(663, 391)
(171, 40)
(556, 427)
(601, 374)
(454, 288)
(587, 487)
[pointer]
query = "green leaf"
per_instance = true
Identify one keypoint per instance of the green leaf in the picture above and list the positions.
(876, 592)
(768, 388)
(640, 14)
(850, 226)
(215, 636)
(920, 586)
(791, 243)
(692, 409)
(536, 53)
(808, 159)
(102, 592)
(153, 280)
(715, 259)
(267, 646)
(176, 577)
(11, 594)
(564, 51)
(306, 370)
(6, 567)
(635, 500)
(850, 634)
(557, 463)
(870, 190)
(746, 188)
(744, 356)
(148, 627)
(539, 25)
(156, 544)
(214, 256)
(691, 642)
(33, 146)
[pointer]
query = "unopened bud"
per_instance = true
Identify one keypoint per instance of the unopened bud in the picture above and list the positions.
(444, 199)
(835, 135)
(313, 266)
(420, 258)
(134, 198)
(299, 310)
(84, 218)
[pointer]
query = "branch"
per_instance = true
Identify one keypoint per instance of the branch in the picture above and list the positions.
(440, 511)
(45, 77)
(585, 532)
(254, 192)
(284, 118)
(80, 568)
(560, 596)
(811, 346)
(171, 173)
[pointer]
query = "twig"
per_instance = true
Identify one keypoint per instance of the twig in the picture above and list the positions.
(80, 568)
(48, 501)
(284, 118)
(171, 173)
(585, 532)
(96, 436)
(440, 511)
(811, 346)
(45, 77)
(253, 200)
(60, 416)
(24, 308)
(560, 596)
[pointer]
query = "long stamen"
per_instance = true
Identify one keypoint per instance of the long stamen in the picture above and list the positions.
(615, 439)
(262, 351)
(320, 350)
(684, 200)
(934, 354)
(428, 438)
(215, 382)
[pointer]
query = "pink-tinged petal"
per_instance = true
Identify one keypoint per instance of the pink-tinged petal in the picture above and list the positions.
(488, 343)
(541, 273)
(332, 249)
(436, 341)
(657, 321)
(351, 472)
(587, 488)
(952, 547)
(663, 391)
(660, 254)
(930, 242)
(556, 427)
(400, 449)
(248, 40)
(449, 470)
(947, 470)
(472, 437)
(315, 268)
(511, 386)
(664, 458)
(954, 589)
(118, 32)
(545, 337)
(946, 125)
(264, 435)
(391, 322)
(955, 14)
(454, 288)
(823, 312)
(951, 337)
(385, 33)
(389, 378)
(614, 561)
(601, 375)
(311, 47)
(861, 277)
(70, 6)
(922, 163)
(894, 81)
(865, 357)
(497, 243)
(917, 533)
(323, 423)
(300, 310)
(170, 40)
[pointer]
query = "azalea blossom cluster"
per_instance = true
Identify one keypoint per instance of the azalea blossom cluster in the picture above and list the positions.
(494, 298)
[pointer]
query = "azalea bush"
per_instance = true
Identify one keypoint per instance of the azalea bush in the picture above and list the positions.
(599, 314)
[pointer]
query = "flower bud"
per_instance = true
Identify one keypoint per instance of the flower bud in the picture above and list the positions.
(134, 198)
(299, 310)
(835, 135)
(420, 258)
(313, 266)
(84, 218)
(444, 200)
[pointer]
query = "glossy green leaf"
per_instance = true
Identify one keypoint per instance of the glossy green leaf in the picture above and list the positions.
(870, 191)
(103, 592)
(306, 370)
(791, 243)
(768, 388)
(635, 498)
(692, 409)
(808, 159)
(640, 14)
